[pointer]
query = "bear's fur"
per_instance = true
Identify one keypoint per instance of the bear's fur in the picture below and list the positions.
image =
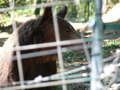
(40, 30)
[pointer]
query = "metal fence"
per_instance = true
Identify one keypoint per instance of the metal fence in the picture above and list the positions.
(93, 73)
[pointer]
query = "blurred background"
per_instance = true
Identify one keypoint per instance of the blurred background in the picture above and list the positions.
(78, 15)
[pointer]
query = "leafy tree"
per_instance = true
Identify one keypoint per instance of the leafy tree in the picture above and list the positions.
(86, 9)
(5, 3)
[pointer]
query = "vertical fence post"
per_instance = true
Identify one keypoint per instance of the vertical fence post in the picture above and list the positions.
(96, 47)
(18, 53)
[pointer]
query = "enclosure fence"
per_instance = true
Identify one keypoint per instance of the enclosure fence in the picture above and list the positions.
(93, 80)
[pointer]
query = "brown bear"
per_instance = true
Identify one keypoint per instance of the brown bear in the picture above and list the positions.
(37, 31)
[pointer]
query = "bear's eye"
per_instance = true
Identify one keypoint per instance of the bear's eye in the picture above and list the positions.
(67, 30)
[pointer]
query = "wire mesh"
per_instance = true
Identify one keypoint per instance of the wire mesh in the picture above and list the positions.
(74, 67)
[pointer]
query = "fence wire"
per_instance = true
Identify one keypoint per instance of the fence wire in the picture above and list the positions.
(72, 73)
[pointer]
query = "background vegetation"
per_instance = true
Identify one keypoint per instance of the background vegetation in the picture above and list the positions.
(83, 13)
(76, 14)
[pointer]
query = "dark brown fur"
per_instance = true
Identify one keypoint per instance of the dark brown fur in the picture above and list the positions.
(36, 31)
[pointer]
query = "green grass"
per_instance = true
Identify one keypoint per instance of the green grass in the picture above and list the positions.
(107, 49)
(109, 46)
(27, 12)
(73, 56)
(112, 44)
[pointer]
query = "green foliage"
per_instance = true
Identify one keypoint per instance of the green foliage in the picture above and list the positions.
(114, 1)
(85, 11)
(58, 88)
(112, 44)
(72, 11)
(27, 12)
(111, 3)
(109, 46)
(81, 13)
(5, 20)
(73, 56)
(5, 3)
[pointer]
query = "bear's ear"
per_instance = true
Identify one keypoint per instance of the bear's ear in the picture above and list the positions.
(47, 15)
(62, 13)
(47, 12)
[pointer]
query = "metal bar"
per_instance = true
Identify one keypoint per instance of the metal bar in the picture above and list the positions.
(46, 52)
(58, 76)
(51, 44)
(55, 83)
(111, 26)
(59, 48)
(18, 54)
(96, 47)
